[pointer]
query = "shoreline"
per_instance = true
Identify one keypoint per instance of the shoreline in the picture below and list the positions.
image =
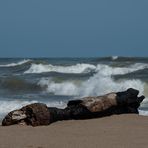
(128, 130)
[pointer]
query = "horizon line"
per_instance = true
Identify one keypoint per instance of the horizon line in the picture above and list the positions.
(76, 57)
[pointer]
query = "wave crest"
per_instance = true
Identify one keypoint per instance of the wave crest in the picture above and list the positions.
(86, 68)
(114, 57)
(100, 83)
(78, 68)
(94, 86)
(16, 64)
(106, 70)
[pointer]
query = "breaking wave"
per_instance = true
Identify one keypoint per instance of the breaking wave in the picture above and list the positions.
(15, 64)
(106, 70)
(99, 84)
(78, 68)
(115, 57)
(96, 85)
(86, 68)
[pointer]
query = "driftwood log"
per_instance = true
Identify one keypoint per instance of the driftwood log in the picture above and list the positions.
(89, 107)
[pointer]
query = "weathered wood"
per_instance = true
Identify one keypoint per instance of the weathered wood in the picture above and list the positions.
(34, 114)
(85, 108)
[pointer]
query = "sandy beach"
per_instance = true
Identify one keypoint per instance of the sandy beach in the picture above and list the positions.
(118, 131)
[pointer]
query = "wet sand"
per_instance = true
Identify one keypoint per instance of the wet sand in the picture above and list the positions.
(118, 131)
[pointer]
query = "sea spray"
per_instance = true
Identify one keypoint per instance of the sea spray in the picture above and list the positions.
(55, 81)
(98, 84)
(78, 68)
(107, 70)
(86, 68)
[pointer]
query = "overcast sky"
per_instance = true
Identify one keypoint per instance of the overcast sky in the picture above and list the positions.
(67, 28)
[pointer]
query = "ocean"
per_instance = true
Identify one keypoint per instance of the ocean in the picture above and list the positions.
(55, 81)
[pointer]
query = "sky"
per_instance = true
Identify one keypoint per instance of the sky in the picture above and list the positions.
(78, 28)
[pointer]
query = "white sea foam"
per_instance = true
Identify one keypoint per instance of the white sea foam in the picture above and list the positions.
(15, 64)
(106, 70)
(114, 57)
(78, 68)
(96, 85)
(85, 68)
(64, 88)
(7, 106)
(99, 84)
(143, 112)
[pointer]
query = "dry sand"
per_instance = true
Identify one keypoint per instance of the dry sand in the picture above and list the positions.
(118, 131)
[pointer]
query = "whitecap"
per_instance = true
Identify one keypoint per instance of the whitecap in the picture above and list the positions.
(16, 64)
(114, 57)
(96, 85)
(106, 70)
(78, 68)
(86, 68)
